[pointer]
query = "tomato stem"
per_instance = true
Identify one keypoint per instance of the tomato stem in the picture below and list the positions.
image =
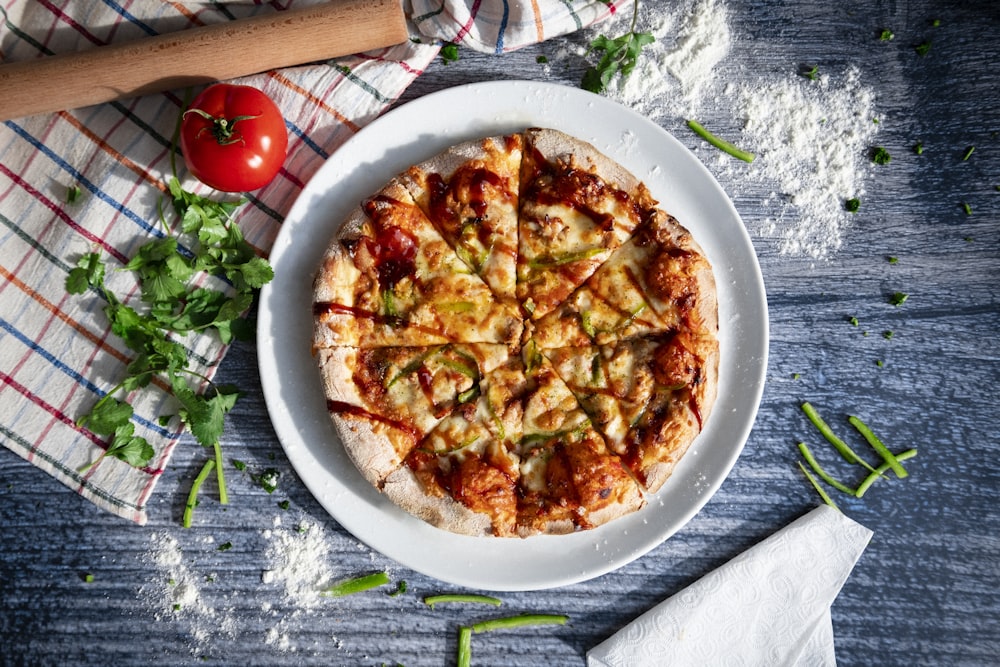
(223, 129)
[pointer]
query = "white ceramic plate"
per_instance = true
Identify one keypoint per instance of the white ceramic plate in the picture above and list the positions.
(419, 130)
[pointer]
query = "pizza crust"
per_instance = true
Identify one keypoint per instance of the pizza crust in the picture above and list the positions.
(403, 488)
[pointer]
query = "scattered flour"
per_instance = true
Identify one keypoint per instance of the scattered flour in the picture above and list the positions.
(674, 74)
(702, 43)
(176, 594)
(810, 137)
(297, 568)
(298, 562)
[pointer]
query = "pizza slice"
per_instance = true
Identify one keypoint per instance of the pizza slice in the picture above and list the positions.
(470, 193)
(390, 279)
(569, 478)
(576, 207)
(384, 401)
(658, 281)
(648, 397)
(463, 475)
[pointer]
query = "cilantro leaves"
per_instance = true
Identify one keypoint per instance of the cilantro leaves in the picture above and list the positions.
(619, 55)
(207, 242)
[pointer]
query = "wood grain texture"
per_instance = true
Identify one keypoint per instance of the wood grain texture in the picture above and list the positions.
(927, 590)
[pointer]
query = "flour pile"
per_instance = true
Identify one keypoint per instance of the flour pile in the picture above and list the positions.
(811, 136)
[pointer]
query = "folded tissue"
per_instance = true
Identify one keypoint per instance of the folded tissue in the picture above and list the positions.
(768, 606)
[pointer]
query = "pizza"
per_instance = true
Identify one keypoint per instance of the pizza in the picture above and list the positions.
(514, 339)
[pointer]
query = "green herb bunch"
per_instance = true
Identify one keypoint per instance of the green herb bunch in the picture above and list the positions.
(203, 241)
(618, 55)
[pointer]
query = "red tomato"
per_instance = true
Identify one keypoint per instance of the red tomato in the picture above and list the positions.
(233, 138)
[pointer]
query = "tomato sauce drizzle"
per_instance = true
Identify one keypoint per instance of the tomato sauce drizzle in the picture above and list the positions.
(343, 408)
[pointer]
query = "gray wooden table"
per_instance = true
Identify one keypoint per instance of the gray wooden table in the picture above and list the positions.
(927, 590)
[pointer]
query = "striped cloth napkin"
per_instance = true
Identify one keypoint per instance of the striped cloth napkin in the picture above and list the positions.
(57, 353)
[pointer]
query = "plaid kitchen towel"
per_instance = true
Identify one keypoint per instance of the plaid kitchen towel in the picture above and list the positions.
(58, 356)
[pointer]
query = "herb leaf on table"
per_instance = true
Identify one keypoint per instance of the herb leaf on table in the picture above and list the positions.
(207, 241)
(619, 55)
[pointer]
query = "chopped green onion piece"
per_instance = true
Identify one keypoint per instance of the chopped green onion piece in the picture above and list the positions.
(893, 259)
(357, 585)
(73, 193)
(519, 621)
(885, 35)
(568, 258)
(457, 306)
(880, 155)
(192, 499)
(837, 443)
(220, 475)
(853, 320)
(587, 325)
(469, 394)
(88, 578)
(967, 208)
(888, 335)
(898, 298)
(449, 53)
(819, 489)
(814, 464)
(877, 445)
(626, 321)
(918, 148)
(464, 646)
(400, 589)
(389, 303)
(468, 370)
(225, 546)
(432, 600)
(721, 144)
(852, 205)
(880, 472)
(413, 366)
(922, 49)
(968, 153)
(810, 73)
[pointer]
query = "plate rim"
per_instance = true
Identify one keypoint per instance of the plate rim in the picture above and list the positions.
(303, 459)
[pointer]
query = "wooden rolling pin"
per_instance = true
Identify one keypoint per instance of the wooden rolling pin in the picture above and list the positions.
(199, 55)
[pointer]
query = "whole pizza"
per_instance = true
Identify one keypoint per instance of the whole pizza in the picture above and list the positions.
(514, 339)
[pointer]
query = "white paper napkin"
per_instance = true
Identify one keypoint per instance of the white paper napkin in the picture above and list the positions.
(768, 606)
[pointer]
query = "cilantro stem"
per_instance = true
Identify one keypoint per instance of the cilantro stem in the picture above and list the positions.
(220, 475)
(881, 470)
(719, 143)
(814, 464)
(108, 395)
(877, 445)
(464, 646)
(432, 600)
(519, 621)
(819, 489)
(357, 585)
(192, 499)
(82, 470)
(837, 443)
